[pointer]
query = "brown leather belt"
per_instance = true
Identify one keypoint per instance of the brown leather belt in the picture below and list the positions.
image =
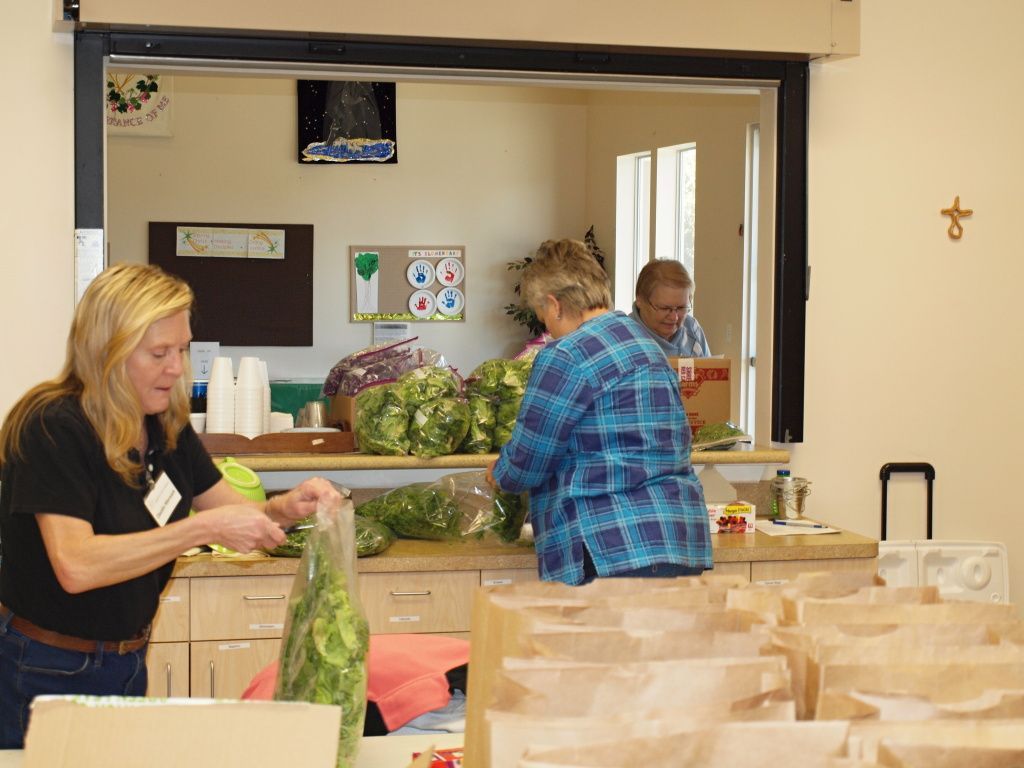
(71, 643)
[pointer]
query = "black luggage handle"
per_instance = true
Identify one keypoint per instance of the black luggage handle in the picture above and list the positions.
(905, 467)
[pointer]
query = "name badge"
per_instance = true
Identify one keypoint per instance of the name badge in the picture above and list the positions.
(162, 498)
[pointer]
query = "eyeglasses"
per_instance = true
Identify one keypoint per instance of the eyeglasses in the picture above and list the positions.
(669, 311)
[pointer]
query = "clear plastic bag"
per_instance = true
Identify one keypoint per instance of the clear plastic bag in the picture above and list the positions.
(372, 537)
(480, 437)
(326, 637)
(382, 422)
(484, 511)
(367, 366)
(456, 506)
(438, 427)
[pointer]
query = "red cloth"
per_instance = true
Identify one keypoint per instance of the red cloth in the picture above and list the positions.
(406, 675)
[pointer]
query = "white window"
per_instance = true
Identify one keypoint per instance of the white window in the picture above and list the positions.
(748, 344)
(632, 223)
(672, 174)
(675, 207)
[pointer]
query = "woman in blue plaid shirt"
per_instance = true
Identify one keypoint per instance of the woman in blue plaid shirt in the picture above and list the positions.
(602, 442)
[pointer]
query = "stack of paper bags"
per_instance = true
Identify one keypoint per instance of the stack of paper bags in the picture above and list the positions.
(717, 672)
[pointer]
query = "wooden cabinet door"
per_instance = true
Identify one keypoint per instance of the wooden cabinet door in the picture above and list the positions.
(418, 601)
(236, 607)
(171, 621)
(784, 570)
(496, 577)
(223, 670)
(167, 665)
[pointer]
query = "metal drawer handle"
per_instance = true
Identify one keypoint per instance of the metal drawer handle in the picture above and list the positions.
(168, 680)
(213, 695)
(263, 597)
(411, 594)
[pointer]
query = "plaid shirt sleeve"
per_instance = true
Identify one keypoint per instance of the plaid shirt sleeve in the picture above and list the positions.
(553, 404)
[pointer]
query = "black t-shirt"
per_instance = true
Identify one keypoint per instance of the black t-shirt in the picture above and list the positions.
(63, 470)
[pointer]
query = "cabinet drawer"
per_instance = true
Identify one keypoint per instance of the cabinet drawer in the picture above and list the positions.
(223, 670)
(167, 665)
(171, 621)
(418, 601)
(496, 577)
(239, 607)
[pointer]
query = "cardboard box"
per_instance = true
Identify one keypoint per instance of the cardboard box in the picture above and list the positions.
(734, 517)
(342, 412)
(104, 731)
(705, 384)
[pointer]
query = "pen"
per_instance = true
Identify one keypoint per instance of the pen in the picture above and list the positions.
(799, 523)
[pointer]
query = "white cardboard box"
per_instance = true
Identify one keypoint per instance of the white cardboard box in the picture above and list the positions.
(105, 731)
(732, 517)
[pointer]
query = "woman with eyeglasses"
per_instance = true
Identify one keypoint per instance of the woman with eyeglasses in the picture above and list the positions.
(601, 442)
(664, 306)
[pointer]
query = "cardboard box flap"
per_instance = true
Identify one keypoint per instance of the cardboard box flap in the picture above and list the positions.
(101, 731)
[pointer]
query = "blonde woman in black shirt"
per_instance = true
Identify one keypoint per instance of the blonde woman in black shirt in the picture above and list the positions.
(100, 467)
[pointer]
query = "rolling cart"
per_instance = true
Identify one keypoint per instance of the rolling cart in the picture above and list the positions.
(962, 570)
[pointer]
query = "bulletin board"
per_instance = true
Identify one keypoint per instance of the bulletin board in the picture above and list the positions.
(262, 296)
(413, 283)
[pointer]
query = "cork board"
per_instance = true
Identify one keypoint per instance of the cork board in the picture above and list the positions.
(412, 283)
(240, 302)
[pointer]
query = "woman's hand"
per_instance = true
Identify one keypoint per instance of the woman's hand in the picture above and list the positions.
(490, 475)
(243, 528)
(301, 501)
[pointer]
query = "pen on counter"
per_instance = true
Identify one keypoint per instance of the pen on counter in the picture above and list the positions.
(799, 523)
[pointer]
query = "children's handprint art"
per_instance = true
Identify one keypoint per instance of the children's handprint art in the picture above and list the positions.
(420, 273)
(450, 271)
(450, 302)
(422, 304)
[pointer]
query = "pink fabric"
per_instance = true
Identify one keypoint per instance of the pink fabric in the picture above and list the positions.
(406, 675)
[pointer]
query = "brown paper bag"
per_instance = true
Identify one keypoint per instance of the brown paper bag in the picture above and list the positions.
(750, 745)
(610, 645)
(861, 705)
(867, 738)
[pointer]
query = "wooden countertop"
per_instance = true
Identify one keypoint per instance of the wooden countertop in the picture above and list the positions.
(285, 462)
(410, 555)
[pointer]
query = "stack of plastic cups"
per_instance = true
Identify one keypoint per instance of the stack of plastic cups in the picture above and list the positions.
(265, 378)
(220, 397)
(249, 398)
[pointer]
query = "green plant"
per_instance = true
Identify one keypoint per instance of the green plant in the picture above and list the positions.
(521, 313)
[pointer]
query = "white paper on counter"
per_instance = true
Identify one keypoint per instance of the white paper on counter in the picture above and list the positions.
(771, 529)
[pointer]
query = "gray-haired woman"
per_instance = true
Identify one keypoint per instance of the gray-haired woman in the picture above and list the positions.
(664, 306)
(601, 442)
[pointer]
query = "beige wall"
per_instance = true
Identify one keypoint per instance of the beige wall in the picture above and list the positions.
(913, 339)
(497, 169)
(36, 198)
(816, 27)
(913, 344)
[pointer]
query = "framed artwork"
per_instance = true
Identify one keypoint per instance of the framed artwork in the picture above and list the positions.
(346, 121)
(138, 104)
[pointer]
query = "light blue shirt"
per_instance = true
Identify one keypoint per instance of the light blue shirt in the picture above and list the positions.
(688, 341)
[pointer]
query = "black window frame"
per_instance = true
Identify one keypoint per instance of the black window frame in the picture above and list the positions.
(92, 46)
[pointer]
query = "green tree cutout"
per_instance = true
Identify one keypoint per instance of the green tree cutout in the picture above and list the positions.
(521, 313)
(367, 265)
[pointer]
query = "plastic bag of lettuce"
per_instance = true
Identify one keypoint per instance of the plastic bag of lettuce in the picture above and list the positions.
(372, 538)
(457, 506)
(438, 427)
(495, 390)
(422, 412)
(326, 637)
(382, 423)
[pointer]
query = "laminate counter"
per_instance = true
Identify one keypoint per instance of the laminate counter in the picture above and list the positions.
(411, 555)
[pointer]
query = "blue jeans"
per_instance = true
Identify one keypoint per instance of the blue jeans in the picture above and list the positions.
(29, 668)
(656, 571)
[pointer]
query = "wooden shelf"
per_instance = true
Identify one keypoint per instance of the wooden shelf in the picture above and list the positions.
(285, 462)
